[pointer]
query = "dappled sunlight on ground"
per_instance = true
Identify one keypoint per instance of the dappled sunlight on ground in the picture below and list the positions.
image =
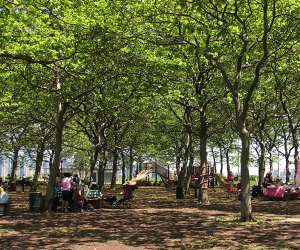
(156, 221)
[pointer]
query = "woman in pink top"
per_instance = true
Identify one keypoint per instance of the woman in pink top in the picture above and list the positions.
(66, 185)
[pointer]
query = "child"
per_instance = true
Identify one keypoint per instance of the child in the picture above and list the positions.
(231, 177)
(78, 199)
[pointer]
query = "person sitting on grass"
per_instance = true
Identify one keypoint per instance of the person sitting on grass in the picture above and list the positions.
(268, 180)
(278, 181)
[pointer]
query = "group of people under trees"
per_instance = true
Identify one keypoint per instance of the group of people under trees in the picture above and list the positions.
(68, 185)
(268, 180)
(71, 192)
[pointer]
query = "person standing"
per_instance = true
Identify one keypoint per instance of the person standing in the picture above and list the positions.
(3, 199)
(23, 182)
(66, 185)
(231, 177)
(76, 179)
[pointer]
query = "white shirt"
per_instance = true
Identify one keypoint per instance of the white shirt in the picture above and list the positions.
(3, 199)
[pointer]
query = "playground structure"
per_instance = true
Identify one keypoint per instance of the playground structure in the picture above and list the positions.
(203, 177)
(221, 180)
(140, 176)
(228, 185)
(206, 178)
(153, 167)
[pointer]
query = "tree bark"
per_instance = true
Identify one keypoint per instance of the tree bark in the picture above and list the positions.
(13, 176)
(60, 123)
(57, 155)
(131, 160)
(203, 194)
(114, 169)
(261, 162)
(38, 164)
(123, 167)
(246, 206)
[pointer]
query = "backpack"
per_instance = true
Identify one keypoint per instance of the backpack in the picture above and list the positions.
(257, 191)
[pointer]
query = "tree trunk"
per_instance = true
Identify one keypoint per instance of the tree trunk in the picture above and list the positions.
(203, 194)
(57, 155)
(13, 176)
(297, 170)
(180, 184)
(214, 160)
(180, 192)
(271, 161)
(287, 170)
(227, 160)
(102, 167)
(261, 163)
(131, 160)
(246, 206)
(51, 155)
(93, 162)
(177, 165)
(114, 169)
(99, 144)
(190, 170)
(60, 123)
(123, 167)
(101, 176)
(297, 163)
(221, 160)
(38, 164)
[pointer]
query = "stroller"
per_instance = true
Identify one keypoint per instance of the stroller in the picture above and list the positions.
(123, 200)
(86, 206)
(126, 200)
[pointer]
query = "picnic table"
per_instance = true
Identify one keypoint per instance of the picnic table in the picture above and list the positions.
(94, 197)
(57, 198)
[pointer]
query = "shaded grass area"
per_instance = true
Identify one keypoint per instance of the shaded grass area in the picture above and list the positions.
(157, 221)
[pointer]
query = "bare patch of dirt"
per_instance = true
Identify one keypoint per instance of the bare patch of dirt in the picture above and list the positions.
(156, 221)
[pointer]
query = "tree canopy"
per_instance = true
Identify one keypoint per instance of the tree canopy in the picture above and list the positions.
(162, 80)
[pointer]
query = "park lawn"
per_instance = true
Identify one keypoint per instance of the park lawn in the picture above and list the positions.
(156, 221)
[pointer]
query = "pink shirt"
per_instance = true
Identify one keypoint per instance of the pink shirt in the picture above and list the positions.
(66, 184)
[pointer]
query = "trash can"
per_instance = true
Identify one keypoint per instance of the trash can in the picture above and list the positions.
(36, 202)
